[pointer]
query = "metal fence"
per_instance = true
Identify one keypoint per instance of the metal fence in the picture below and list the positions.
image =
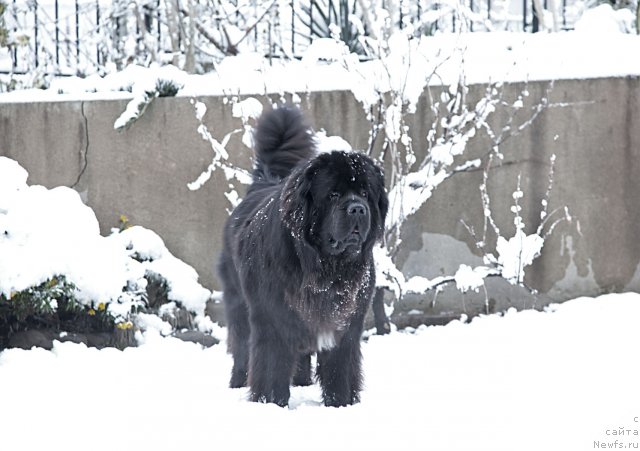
(68, 37)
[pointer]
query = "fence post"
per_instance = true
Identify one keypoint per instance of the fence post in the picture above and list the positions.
(293, 28)
(98, 30)
(14, 60)
(538, 10)
(57, 16)
(159, 20)
(36, 34)
(77, 35)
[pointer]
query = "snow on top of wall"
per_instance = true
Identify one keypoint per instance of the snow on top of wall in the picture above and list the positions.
(409, 65)
(249, 108)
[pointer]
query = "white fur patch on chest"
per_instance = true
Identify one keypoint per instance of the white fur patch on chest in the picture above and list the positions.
(326, 341)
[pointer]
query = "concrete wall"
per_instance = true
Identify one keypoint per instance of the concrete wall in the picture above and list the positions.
(143, 174)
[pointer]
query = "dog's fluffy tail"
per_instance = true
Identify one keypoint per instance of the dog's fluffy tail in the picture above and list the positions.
(282, 140)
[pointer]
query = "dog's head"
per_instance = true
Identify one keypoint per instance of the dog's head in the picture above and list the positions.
(336, 204)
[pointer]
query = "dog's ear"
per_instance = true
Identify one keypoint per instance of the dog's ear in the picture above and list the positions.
(383, 200)
(298, 214)
(295, 201)
(377, 186)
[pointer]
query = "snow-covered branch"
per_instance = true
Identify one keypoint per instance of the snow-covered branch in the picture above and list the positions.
(390, 100)
(509, 260)
(220, 158)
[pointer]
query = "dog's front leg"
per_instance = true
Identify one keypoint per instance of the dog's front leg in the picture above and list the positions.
(271, 366)
(340, 371)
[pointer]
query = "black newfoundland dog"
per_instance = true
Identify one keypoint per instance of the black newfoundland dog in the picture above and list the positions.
(297, 266)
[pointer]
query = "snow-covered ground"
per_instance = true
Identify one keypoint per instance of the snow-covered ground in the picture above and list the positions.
(555, 380)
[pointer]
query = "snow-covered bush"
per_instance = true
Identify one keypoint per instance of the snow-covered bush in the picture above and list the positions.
(146, 86)
(610, 17)
(54, 261)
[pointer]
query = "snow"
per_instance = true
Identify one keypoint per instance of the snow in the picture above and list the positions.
(14, 178)
(45, 233)
(325, 49)
(145, 88)
(604, 20)
(409, 65)
(325, 143)
(468, 278)
(516, 253)
(182, 278)
(411, 192)
(531, 380)
(393, 123)
(249, 108)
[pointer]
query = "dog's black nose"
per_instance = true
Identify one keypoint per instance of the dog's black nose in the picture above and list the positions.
(356, 209)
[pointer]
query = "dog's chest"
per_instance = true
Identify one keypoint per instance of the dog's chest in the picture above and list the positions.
(324, 317)
(330, 317)
(329, 308)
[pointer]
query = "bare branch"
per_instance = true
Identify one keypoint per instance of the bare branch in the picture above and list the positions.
(258, 20)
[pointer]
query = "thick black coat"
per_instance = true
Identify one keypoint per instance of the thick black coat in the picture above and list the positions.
(297, 266)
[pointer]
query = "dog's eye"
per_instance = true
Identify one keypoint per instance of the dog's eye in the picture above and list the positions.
(364, 193)
(334, 195)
